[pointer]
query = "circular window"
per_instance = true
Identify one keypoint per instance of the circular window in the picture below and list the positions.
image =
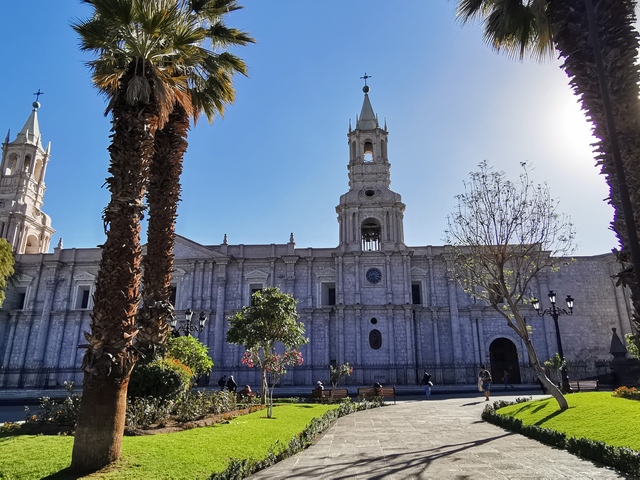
(369, 193)
(375, 339)
(374, 275)
(374, 321)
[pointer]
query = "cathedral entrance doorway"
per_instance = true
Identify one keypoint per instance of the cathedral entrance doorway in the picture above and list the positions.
(503, 356)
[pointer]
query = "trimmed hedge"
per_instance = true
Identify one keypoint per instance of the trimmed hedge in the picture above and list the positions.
(624, 459)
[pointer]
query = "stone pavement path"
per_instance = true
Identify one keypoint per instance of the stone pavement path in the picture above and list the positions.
(435, 439)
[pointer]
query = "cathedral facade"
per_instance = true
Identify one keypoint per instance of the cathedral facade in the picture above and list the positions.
(389, 309)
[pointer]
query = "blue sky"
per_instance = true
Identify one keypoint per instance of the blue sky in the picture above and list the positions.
(277, 162)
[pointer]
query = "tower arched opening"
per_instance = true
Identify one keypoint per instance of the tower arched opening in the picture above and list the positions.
(371, 235)
(368, 151)
(32, 245)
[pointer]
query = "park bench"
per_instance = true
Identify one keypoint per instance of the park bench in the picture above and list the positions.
(370, 392)
(328, 395)
(584, 385)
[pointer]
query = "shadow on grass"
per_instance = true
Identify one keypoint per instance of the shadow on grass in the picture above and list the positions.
(65, 474)
(549, 417)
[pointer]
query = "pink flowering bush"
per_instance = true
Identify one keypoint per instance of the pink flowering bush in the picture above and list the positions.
(272, 364)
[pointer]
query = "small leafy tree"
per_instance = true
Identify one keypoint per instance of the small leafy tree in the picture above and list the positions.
(501, 235)
(555, 364)
(339, 372)
(266, 328)
(191, 352)
(632, 346)
(275, 365)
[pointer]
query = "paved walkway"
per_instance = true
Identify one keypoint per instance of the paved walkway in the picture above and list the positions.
(443, 438)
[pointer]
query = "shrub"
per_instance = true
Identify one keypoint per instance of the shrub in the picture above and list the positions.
(625, 392)
(52, 412)
(191, 352)
(164, 379)
(146, 411)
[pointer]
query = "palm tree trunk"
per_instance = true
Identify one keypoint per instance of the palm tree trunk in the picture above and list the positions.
(110, 354)
(619, 47)
(103, 408)
(163, 195)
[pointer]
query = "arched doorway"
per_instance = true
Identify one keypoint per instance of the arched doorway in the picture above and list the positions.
(503, 355)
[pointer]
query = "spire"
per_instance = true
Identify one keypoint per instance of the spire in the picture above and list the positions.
(367, 119)
(30, 133)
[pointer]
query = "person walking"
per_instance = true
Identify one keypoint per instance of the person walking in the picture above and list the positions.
(426, 382)
(222, 383)
(505, 377)
(485, 379)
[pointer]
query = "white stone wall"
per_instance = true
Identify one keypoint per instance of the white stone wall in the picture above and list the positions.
(48, 331)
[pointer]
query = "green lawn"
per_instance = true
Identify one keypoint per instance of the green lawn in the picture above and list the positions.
(190, 454)
(595, 415)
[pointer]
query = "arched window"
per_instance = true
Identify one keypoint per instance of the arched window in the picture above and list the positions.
(27, 163)
(375, 339)
(38, 170)
(368, 151)
(33, 246)
(370, 235)
(11, 165)
(353, 151)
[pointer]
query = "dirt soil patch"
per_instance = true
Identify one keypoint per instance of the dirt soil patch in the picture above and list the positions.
(172, 425)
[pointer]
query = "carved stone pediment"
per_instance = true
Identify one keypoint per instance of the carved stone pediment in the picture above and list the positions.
(256, 275)
(188, 249)
(325, 274)
(24, 280)
(417, 272)
(84, 277)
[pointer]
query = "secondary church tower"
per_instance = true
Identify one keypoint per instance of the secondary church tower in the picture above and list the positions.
(24, 163)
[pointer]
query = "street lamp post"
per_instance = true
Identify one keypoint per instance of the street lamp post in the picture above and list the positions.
(187, 328)
(555, 312)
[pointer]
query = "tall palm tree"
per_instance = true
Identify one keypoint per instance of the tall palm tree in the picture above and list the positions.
(146, 41)
(540, 27)
(210, 81)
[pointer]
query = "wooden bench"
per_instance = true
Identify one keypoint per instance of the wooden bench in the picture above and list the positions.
(328, 395)
(584, 385)
(384, 392)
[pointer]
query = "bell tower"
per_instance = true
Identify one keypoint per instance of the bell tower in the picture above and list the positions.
(22, 170)
(370, 214)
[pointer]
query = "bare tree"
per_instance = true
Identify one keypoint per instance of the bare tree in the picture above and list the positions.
(501, 235)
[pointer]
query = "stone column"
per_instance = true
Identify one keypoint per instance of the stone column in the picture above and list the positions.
(219, 333)
(358, 320)
(340, 284)
(455, 320)
(432, 287)
(387, 269)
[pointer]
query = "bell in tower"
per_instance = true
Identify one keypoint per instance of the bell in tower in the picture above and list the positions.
(370, 214)
(22, 171)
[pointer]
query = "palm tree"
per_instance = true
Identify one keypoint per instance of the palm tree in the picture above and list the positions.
(540, 27)
(141, 40)
(210, 81)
